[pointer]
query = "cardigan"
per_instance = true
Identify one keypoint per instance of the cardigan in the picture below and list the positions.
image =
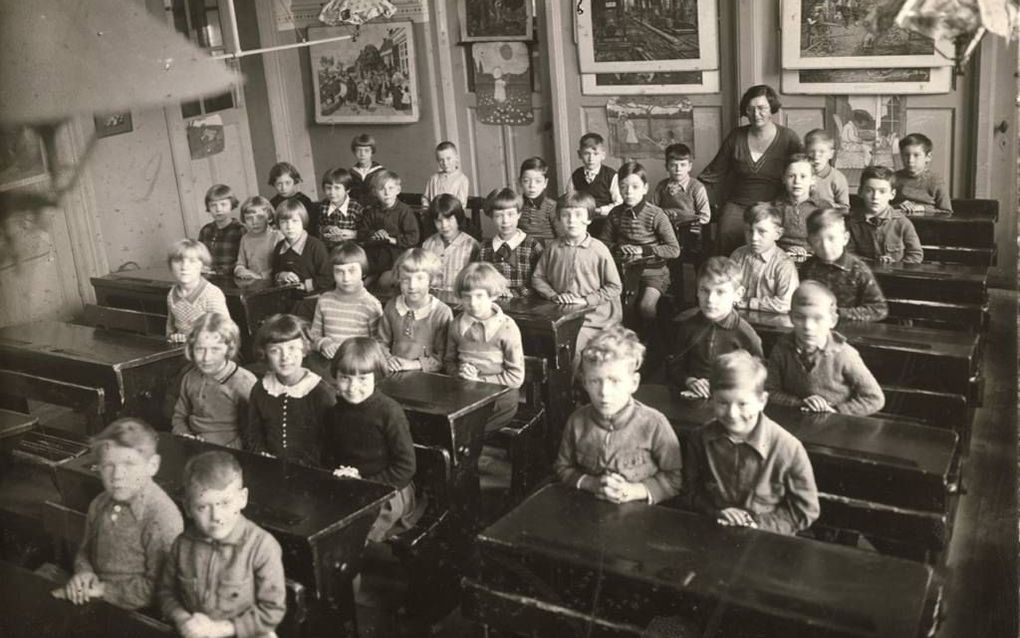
(683, 202)
(769, 279)
(700, 341)
(372, 436)
(887, 234)
(751, 181)
(927, 188)
(287, 421)
(858, 294)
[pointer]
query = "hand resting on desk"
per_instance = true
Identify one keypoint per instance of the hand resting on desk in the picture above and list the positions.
(83, 587)
(614, 488)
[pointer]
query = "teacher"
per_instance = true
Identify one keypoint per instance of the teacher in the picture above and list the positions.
(751, 162)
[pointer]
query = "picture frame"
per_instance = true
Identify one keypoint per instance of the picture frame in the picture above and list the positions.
(821, 34)
(904, 81)
(642, 128)
(866, 130)
(380, 87)
(652, 83)
(615, 36)
(22, 158)
(111, 124)
(486, 20)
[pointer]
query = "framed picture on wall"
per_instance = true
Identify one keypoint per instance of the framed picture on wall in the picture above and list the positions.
(113, 124)
(867, 81)
(22, 159)
(854, 34)
(620, 36)
(499, 20)
(370, 79)
(867, 130)
(642, 128)
(651, 83)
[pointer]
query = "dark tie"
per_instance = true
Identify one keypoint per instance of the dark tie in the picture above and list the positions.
(503, 253)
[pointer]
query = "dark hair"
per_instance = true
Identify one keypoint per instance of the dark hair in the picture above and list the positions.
(916, 139)
(822, 218)
(879, 172)
(632, 168)
(760, 90)
(679, 152)
(339, 176)
(349, 252)
(280, 328)
(446, 145)
(283, 168)
(363, 140)
(591, 140)
(217, 192)
(761, 211)
(534, 164)
(576, 199)
(818, 134)
(795, 158)
(447, 205)
(503, 199)
(359, 355)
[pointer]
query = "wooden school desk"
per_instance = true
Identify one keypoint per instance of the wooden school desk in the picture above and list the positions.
(321, 522)
(133, 370)
(565, 563)
(33, 613)
(894, 479)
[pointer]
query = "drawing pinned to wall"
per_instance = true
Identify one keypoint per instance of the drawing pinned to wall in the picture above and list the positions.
(504, 20)
(206, 137)
(867, 130)
(368, 80)
(502, 83)
(643, 128)
(22, 161)
(355, 12)
(113, 124)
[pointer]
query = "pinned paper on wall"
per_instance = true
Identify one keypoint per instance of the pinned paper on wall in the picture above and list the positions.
(503, 83)
(643, 127)
(206, 137)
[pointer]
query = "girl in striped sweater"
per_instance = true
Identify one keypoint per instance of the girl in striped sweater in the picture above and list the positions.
(348, 310)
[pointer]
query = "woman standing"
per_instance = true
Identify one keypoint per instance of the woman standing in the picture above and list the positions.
(751, 161)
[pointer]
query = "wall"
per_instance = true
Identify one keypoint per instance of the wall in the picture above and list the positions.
(256, 95)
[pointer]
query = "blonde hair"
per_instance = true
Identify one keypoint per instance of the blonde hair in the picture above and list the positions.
(179, 249)
(612, 344)
(482, 275)
(216, 323)
(418, 260)
(129, 432)
(733, 369)
(214, 469)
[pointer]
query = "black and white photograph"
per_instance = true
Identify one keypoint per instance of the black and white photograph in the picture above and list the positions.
(642, 128)
(867, 130)
(495, 20)
(911, 81)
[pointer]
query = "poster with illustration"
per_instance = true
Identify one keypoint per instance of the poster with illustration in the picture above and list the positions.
(867, 130)
(643, 127)
(503, 83)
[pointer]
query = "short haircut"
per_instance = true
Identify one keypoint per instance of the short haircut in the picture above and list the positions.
(733, 369)
(632, 168)
(385, 176)
(576, 199)
(363, 140)
(283, 168)
(349, 252)
(257, 205)
(760, 90)
(762, 211)
(359, 355)
(279, 329)
(215, 469)
(182, 247)
(796, 158)
(591, 140)
(809, 292)
(503, 199)
(879, 172)
(445, 146)
(446, 206)
(216, 323)
(291, 208)
(916, 139)
(613, 344)
(534, 164)
(418, 260)
(818, 135)
(338, 176)
(217, 192)
(130, 432)
(480, 274)
(823, 218)
(721, 269)
(679, 152)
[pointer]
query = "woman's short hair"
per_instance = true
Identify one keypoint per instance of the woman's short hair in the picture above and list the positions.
(760, 90)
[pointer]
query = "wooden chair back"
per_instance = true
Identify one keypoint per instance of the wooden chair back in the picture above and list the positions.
(88, 400)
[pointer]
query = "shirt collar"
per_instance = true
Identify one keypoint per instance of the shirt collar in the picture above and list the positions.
(137, 502)
(842, 262)
(729, 322)
(194, 294)
(766, 256)
(584, 243)
(454, 173)
(489, 326)
(635, 210)
(536, 202)
(365, 172)
(513, 242)
(591, 175)
(824, 172)
(683, 184)
(617, 421)
(417, 313)
(834, 342)
(228, 371)
(342, 208)
(274, 387)
(298, 246)
(759, 439)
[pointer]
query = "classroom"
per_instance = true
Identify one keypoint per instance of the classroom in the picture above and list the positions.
(464, 318)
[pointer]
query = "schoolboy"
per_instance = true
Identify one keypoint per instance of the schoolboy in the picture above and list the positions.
(768, 274)
(414, 324)
(796, 204)
(683, 197)
(224, 574)
(348, 310)
(339, 214)
(637, 228)
(877, 230)
(858, 294)
(222, 236)
(512, 251)
(193, 295)
(743, 468)
(814, 368)
(364, 170)
(388, 228)
(130, 526)
(830, 188)
(538, 210)
(579, 269)
(483, 343)
(712, 329)
(596, 179)
(918, 188)
(449, 178)
(616, 447)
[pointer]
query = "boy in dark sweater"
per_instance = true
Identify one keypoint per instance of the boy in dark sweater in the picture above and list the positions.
(919, 190)
(388, 228)
(594, 178)
(300, 258)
